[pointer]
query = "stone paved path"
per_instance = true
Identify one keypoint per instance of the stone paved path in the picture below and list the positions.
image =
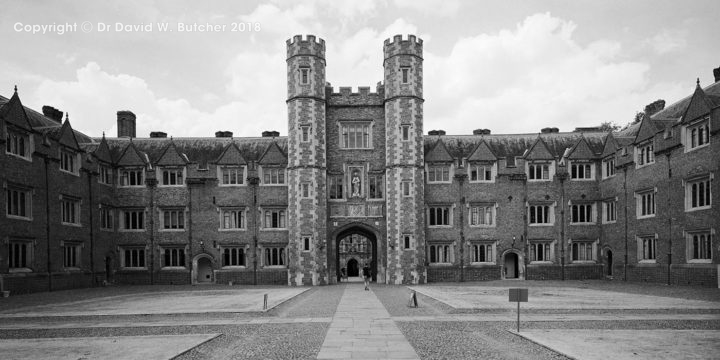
(363, 329)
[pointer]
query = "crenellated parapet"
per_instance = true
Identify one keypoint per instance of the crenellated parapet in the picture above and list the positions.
(310, 46)
(398, 46)
(346, 97)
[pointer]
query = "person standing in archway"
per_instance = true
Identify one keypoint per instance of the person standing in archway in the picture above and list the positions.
(366, 275)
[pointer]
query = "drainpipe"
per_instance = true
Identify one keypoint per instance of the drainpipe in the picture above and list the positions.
(151, 183)
(90, 174)
(47, 221)
(460, 177)
(626, 223)
(190, 237)
(562, 178)
(669, 206)
(254, 181)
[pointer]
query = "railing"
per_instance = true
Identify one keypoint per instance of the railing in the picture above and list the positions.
(357, 210)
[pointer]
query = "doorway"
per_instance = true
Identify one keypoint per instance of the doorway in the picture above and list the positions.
(352, 268)
(511, 266)
(609, 263)
(204, 270)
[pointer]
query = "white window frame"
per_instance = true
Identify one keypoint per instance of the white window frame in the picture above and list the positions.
(173, 214)
(305, 134)
(138, 262)
(441, 254)
(281, 218)
(479, 169)
(706, 193)
(530, 170)
(131, 173)
(14, 140)
(548, 250)
(608, 205)
(166, 173)
(478, 212)
(575, 168)
(26, 260)
(550, 214)
(73, 205)
(230, 259)
(278, 172)
(578, 257)
(236, 216)
(238, 171)
(344, 136)
(608, 167)
(644, 154)
(436, 173)
(15, 212)
(433, 210)
(72, 254)
(640, 202)
(177, 255)
(488, 250)
(693, 138)
(584, 206)
(649, 256)
(124, 213)
(69, 162)
(705, 235)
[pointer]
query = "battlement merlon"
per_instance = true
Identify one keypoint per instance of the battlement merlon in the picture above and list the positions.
(346, 97)
(398, 46)
(308, 47)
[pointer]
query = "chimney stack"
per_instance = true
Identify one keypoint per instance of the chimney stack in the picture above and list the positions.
(436, 132)
(126, 123)
(655, 106)
(481, 132)
(52, 113)
(549, 130)
(270, 133)
(716, 72)
(158, 134)
(223, 134)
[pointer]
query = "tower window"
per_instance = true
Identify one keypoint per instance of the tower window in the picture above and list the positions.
(304, 134)
(405, 70)
(405, 132)
(304, 75)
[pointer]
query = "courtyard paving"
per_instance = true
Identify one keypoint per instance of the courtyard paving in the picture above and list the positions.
(582, 320)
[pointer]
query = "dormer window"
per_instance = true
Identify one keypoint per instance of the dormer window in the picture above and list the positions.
(17, 144)
(438, 174)
(482, 172)
(273, 176)
(405, 73)
(582, 171)
(644, 154)
(172, 176)
(698, 135)
(105, 175)
(304, 75)
(608, 167)
(232, 175)
(540, 171)
(132, 177)
(68, 162)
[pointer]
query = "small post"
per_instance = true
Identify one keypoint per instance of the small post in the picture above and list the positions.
(265, 298)
(413, 300)
(518, 316)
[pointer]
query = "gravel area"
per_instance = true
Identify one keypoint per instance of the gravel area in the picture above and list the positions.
(395, 299)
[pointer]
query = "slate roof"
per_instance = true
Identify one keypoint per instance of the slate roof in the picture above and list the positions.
(677, 109)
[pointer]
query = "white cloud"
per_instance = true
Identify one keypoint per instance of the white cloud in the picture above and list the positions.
(668, 41)
(431, 7)
(534, 76)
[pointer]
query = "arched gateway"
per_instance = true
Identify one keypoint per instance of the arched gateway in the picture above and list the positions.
(356, 244)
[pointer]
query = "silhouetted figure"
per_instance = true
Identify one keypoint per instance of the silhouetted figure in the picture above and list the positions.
(366, 275)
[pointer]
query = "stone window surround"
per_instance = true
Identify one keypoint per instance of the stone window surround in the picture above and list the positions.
(607, 164)
(344, 122)
(29, 192)
(29, 245)
(687, 185)
(550, 243)
(584, 164)
(478, 166)
(69, 158)
(492, 205)
(594, 250)
(178, 170)
(639, 195)
(242, 218)
(229, 247)
(491, 260)
(76, 208)
(533, 163)
(604, 210)
(687, 131)
(28, 140)
(242, 175)
(582, 204)
(640, 248)
(688, 235)
(75, 247)
(170, 210)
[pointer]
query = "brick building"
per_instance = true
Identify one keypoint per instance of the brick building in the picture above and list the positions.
(354, 182)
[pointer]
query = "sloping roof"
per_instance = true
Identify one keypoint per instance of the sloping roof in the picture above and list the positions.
(14, 112)
(646, 131)
(171, 157)
(66, 136)
(482, 153)
(131, 156)
(678, 109)
(102, 151)
(698, 106)
(273, 156)
(231, 156)
(581, 151)
(610, 146)
(439, 153)
(539, 151)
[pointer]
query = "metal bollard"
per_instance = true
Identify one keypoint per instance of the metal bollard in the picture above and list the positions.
(265, 299)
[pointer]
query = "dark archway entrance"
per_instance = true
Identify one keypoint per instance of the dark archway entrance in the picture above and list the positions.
(357, 243)
(352, 268)
(609, 262)
(511, 266)
(204, 270)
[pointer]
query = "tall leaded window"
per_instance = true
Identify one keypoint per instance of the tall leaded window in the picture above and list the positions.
(174, 257)
(609, 211)
(441, 254)
(697, 194)
(582, 214)
(482, 172)
(105, 175)
(274, 256)
(132, 177)
(644, 154)
(608, 168)
(232, 219)
(439, 216)
(438, 174)
(172, 177)
(541, 251)
(376, 186)
(18, 144)
(133, 258)
(71, 255)
(69, 211)
(699, 246)
(20, 254)
(539, 171)
(106, 218)
(232, 175)
(273, 175)
(173, 219)
(405, 74)
(482, 215)
(335, 186)
(698, 135)
(233, 256)
(541, 214)
(68, 162)
(482, 253)
(304, 75)
(645, 204)
(581, 171)
(355, 135)
(275, 219)
(582, 251)
(647, 246)
(18, 202)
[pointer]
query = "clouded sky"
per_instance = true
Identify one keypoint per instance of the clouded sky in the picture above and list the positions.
(511, 66)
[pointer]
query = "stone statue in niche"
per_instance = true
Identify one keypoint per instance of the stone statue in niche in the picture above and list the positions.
(356, 183)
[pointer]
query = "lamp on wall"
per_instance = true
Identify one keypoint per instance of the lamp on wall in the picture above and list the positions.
(513, 242)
